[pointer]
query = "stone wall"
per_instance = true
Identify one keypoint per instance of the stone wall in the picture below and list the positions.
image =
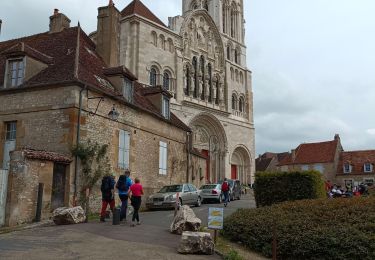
(24, 178)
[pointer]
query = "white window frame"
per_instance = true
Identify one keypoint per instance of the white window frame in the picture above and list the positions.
(128, 90)
(349, 170)
(163, 158)
(19, 78)
(124, 150)
(165, 107)
(365, 168)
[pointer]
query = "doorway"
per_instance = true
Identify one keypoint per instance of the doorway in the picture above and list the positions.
(58, 186)
(233, 175)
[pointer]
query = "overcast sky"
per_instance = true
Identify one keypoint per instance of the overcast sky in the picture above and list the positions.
(313, 62)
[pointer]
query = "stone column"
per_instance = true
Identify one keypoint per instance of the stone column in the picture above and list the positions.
(207, 88)
(221, 89)
(192, 84)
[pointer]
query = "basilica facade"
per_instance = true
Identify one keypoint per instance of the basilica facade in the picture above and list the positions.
(200, 58)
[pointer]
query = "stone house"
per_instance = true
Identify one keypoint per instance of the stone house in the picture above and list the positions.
(322, 157)
(268, 162)
(356, 167)
(200, 57)
(56, 91)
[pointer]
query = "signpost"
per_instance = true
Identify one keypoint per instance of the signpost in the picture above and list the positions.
(215, 220)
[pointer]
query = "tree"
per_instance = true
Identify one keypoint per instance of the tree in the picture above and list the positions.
(94, 165)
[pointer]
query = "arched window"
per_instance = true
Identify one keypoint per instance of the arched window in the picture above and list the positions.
(236, 56)
(153, 75)
(241, 104)
(205, 5)
(187, 80)
(210, 88)
(231, 73)
(241, 77)
(232, 23)
(202, 66)
(236, 72)
(162, 41)
(170, 45)
(195, 68)
(166, 80)
(228, 52)
(194, 5)
(224, 18)
(154, 38)
(234, 102)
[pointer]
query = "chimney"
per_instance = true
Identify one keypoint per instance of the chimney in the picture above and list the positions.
(107, 34)
(293, 155)
(1, 22)
(58, 22)
(337, 137)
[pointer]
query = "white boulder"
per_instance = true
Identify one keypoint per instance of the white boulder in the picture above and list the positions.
(185, 220)
(68, 216)
(198, 243)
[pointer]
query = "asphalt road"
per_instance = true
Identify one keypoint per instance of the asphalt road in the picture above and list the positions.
(95, 240)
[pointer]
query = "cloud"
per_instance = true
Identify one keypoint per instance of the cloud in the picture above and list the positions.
(371, 131)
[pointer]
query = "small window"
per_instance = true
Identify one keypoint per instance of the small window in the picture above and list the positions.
(367, 167)
(241, 104)
(153, 74)
(163, 158)
(347, 168)
(128, 90)
(305, 167)
(11, 131)
(166, 80)
(124, 150)
(318, 167)
(165, 107)
(16, 72)
(369, 182)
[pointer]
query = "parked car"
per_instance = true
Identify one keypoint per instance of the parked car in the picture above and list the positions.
(211, 192)
(235, 189)
(166, 197)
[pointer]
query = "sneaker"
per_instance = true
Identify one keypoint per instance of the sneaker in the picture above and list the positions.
(132, 224)
(138, 223)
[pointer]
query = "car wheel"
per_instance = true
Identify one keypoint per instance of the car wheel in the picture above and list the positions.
(220, 199)
(199, 202)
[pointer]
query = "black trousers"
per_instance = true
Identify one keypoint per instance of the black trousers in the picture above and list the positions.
(136, 203)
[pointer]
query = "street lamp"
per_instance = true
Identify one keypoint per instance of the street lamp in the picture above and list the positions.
(113, 114)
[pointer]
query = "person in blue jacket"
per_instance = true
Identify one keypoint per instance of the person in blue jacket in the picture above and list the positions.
(123, 185)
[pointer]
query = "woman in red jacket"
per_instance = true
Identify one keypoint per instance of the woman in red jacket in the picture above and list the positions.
(136, 192)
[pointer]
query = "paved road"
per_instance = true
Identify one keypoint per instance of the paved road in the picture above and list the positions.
(94, 240)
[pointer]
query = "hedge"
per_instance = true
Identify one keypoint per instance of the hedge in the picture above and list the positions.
(308, 229)
(275, 187)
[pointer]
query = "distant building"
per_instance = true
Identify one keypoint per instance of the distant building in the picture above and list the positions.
(269, 161)
(356, 167)
(322, 157)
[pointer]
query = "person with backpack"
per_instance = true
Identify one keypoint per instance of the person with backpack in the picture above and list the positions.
(123, 185)
(107, 189)
(225, 190)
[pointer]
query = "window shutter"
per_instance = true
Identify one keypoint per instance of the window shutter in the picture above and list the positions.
(121, 152)
(126, 150)
(163, 158)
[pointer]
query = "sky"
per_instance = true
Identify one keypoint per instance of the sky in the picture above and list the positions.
(313, 62)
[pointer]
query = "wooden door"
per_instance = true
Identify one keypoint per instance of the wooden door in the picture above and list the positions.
(58, 186)
(206, 153)
(234, 172)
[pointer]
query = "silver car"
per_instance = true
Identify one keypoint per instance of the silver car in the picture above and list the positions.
(167, 196)
(211, 192)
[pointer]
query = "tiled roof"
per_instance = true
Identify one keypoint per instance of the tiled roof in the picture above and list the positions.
(120, 70)
(357, 160)
(46, 156)
(137, 7)
(309, 153)
(261, 164)
(74, 65)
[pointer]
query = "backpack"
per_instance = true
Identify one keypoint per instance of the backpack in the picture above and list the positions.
(121, 184)
(106, 184)
(225, 186)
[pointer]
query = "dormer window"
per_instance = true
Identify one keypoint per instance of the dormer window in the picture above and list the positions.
(165, 107)
(347, 168)
(16, 72)
(368, 167)
(128, 90)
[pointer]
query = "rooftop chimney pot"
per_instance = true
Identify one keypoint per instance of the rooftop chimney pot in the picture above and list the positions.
(55, 11)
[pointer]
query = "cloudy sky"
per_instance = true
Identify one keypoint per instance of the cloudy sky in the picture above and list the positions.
(313, 62)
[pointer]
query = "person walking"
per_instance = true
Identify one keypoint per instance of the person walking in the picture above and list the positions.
(123, 185)
(225, 190)
(107, 189)
(136, 191)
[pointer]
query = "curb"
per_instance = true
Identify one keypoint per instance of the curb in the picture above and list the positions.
(26, 227)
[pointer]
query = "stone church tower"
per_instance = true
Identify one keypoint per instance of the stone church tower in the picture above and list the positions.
(200, 57)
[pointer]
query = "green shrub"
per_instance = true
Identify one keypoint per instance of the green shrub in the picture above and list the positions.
(308, 229)
(233, 255)
(275, 187)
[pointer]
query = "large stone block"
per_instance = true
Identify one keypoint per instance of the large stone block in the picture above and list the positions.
(68, 216)
(185, 220)
(196, 243)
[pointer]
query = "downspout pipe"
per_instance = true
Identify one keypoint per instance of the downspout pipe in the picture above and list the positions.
(188, 150)
(78, 136)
